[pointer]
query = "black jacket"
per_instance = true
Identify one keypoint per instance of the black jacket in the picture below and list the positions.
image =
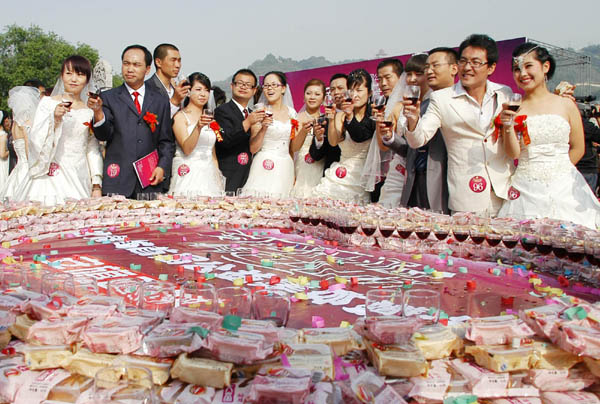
(589, 162)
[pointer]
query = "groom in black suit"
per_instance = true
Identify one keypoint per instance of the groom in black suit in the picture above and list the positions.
(235, 118)
(134, 120)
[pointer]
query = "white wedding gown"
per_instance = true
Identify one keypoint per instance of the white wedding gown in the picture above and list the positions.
(272, 169)
(3, 162)
(546, 183)
(308, 171)
(63, 161)
(197, 173)
(391, 191)
(342, 179)
(19, 172)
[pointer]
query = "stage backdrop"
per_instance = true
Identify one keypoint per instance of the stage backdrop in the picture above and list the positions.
(297, 79)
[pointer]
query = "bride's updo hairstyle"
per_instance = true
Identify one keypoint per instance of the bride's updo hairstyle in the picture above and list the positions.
(78, 64)
(200, 78)
(540, 53)
(357, 77)
(280, 76)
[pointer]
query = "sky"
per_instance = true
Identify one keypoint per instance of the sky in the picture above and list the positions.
(217, 37)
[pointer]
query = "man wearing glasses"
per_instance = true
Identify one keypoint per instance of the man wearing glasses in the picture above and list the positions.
(235, 120)
(478, 168)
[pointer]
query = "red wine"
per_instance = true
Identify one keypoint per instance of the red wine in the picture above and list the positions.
(405, 233)
(560, 252)
(386, 232)
(369, 231)
(67, 104)
(379, 108)
(387, 124)
(544, 249)
(93, 95)
(268, 114)
(343, 229)
(509, 243)
(185, 83)
(575, 256)
(413, 100)
(493, 242)
(348, 99)
(315, 221)
(527, 245)
(441, 235)
(460, 236)
(514, 107)
(422, 234)
(294, 218)
(590, 258)
(350, 229)
(305, 220)
(477, 239)
(324, 222)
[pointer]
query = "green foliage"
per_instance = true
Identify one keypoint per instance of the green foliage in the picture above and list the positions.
(28, 53)
(117, 80)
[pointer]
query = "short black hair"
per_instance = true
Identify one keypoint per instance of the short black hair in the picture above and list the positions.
(484, 42)
(280, 76)
(359, 76)
(247, 72)
(34, 83)
(416, 63)
(540, 53)
(396, 65)
(78, 64)
(220, 96)
(338, 76)
(451, 54)
(200, 78)
(160, 52)
(147, 54)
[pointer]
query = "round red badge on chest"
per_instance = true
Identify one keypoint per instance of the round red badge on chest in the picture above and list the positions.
(268, 164)
(513, 193)
(477, 184)
(401, 169)
(341, 172)
(308, 159)
(113, 170)
(182, 170)
(243, 159)
(53, 169)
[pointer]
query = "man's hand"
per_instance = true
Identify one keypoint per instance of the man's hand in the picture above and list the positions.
(95, 104)
(181, 91)
(96, 191)
(411, 112)
(319, 132)
(158, 175)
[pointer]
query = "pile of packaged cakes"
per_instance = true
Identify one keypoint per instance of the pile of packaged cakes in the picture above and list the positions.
(51, 348)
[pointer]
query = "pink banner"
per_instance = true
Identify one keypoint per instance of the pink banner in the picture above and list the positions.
(297, 79)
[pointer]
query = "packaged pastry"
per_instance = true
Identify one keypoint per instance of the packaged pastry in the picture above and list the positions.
(579, 397)
(484, 383)
(167, 394)
(20, 329)
(285, 385)
(13, 375)
(497, 330)
(437, 342)
(195, 394)
(238, 347)
(541, 319)
(5, 337)
(91, 310)
(324, 392)
(208, 319)
(577, 378)
(57, 331)
(518, 386)
(159, 367)
(235, 393)
(47, 356)
(433, 386)
(396, 360)
(87, 363)
(515, 400)
(70, 389)
(265, 328)
(112, 335)
(144, 319)
(7, 318)
(170, 339)
(501, 358)
(548, 356)
(388, 330)
(341, 340)
(312, 357)
(38, 384)
(370, 388)
(577, 339)
(290, 336)
(201, 371)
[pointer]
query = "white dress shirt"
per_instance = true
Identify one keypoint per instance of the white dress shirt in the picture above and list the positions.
(485, 111)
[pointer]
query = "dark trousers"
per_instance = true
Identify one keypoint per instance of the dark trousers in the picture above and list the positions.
(418, 196)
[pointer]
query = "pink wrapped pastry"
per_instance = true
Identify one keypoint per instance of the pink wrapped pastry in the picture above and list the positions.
(171, 339)
(577, 339)
(280, 385)
(579, 397)
(541, 319)
(194, 394)
(389, 330)
(7, 318)
(516, 400)
(42, 309)
(433, 386)
(112, 335)
(370, 388)
(8, 302)
(13, 374)
(267, 329)
(484, 383)
(144, 319)
(497, 330)
(238, 347)
(94, 311)
(574, 379)
(57, 331)
(210, 320)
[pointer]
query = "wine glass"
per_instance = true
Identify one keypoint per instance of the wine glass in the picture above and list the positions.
(460, 230)
(514, 103)
(272, 305)
(422, 303)
(349, 96)
(234, 300)
(199, 296)
(412, 93)
(209, 113)
(377, 105)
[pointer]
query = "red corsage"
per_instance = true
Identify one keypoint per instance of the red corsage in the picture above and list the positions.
(497, 126)
(521, 126)
(152, 120)
(294, 128)
(90, 125)
(214, 125)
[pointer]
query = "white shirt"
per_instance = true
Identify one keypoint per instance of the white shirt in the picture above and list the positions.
(141, 91)
(241, 107)
(485, 111)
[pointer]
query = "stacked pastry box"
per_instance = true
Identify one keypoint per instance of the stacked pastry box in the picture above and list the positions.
(52, 348)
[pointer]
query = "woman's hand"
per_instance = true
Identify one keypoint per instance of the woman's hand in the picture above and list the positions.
(203, 121)
(96, 191)
(60, 111)
(507, 116)
(267, 120)
(319, 132)
(348, 109)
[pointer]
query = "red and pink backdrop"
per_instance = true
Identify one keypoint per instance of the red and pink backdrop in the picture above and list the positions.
(297, 79)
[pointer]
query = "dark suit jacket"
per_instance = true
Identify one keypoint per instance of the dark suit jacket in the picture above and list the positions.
(437, 166)
(327, 151)
(128, 138)
(155, 83)
(233, 152)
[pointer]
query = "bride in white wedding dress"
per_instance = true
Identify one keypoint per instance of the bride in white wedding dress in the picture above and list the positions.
(546, 135)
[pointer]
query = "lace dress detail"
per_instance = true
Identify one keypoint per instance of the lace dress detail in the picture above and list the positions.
(546, 183)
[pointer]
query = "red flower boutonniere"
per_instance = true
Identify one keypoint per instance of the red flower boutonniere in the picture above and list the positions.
(294, 128)
(214, 125)
(90, 125)
(521, 126)
(497, 123)
(152, 120)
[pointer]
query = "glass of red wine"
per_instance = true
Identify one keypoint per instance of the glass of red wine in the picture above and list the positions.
(412, 93)
(387, 226)
(460, 230)
(514, 103)
(349, 96)
(377, 106)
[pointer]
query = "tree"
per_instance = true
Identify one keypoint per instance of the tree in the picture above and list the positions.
(28, 53)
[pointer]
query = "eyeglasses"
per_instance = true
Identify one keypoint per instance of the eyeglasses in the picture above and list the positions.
(274, 85)
(435, 66)
(475, 64)
(243, 84)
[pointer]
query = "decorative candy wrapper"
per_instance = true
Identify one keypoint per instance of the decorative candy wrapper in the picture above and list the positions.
(280, 385)
(433, 386)
(577, 378)
(341, 340)
(201, 371)
(369, 388)
(170, 339)
(497, 330)
(238, 347)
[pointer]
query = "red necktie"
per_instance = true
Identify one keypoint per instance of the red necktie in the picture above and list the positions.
(245, 113)
(137, 102)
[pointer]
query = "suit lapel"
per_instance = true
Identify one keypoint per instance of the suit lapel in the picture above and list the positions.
(160, 86)
(464, 109)
(126, 98)
(235, 110)
(148, 101)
